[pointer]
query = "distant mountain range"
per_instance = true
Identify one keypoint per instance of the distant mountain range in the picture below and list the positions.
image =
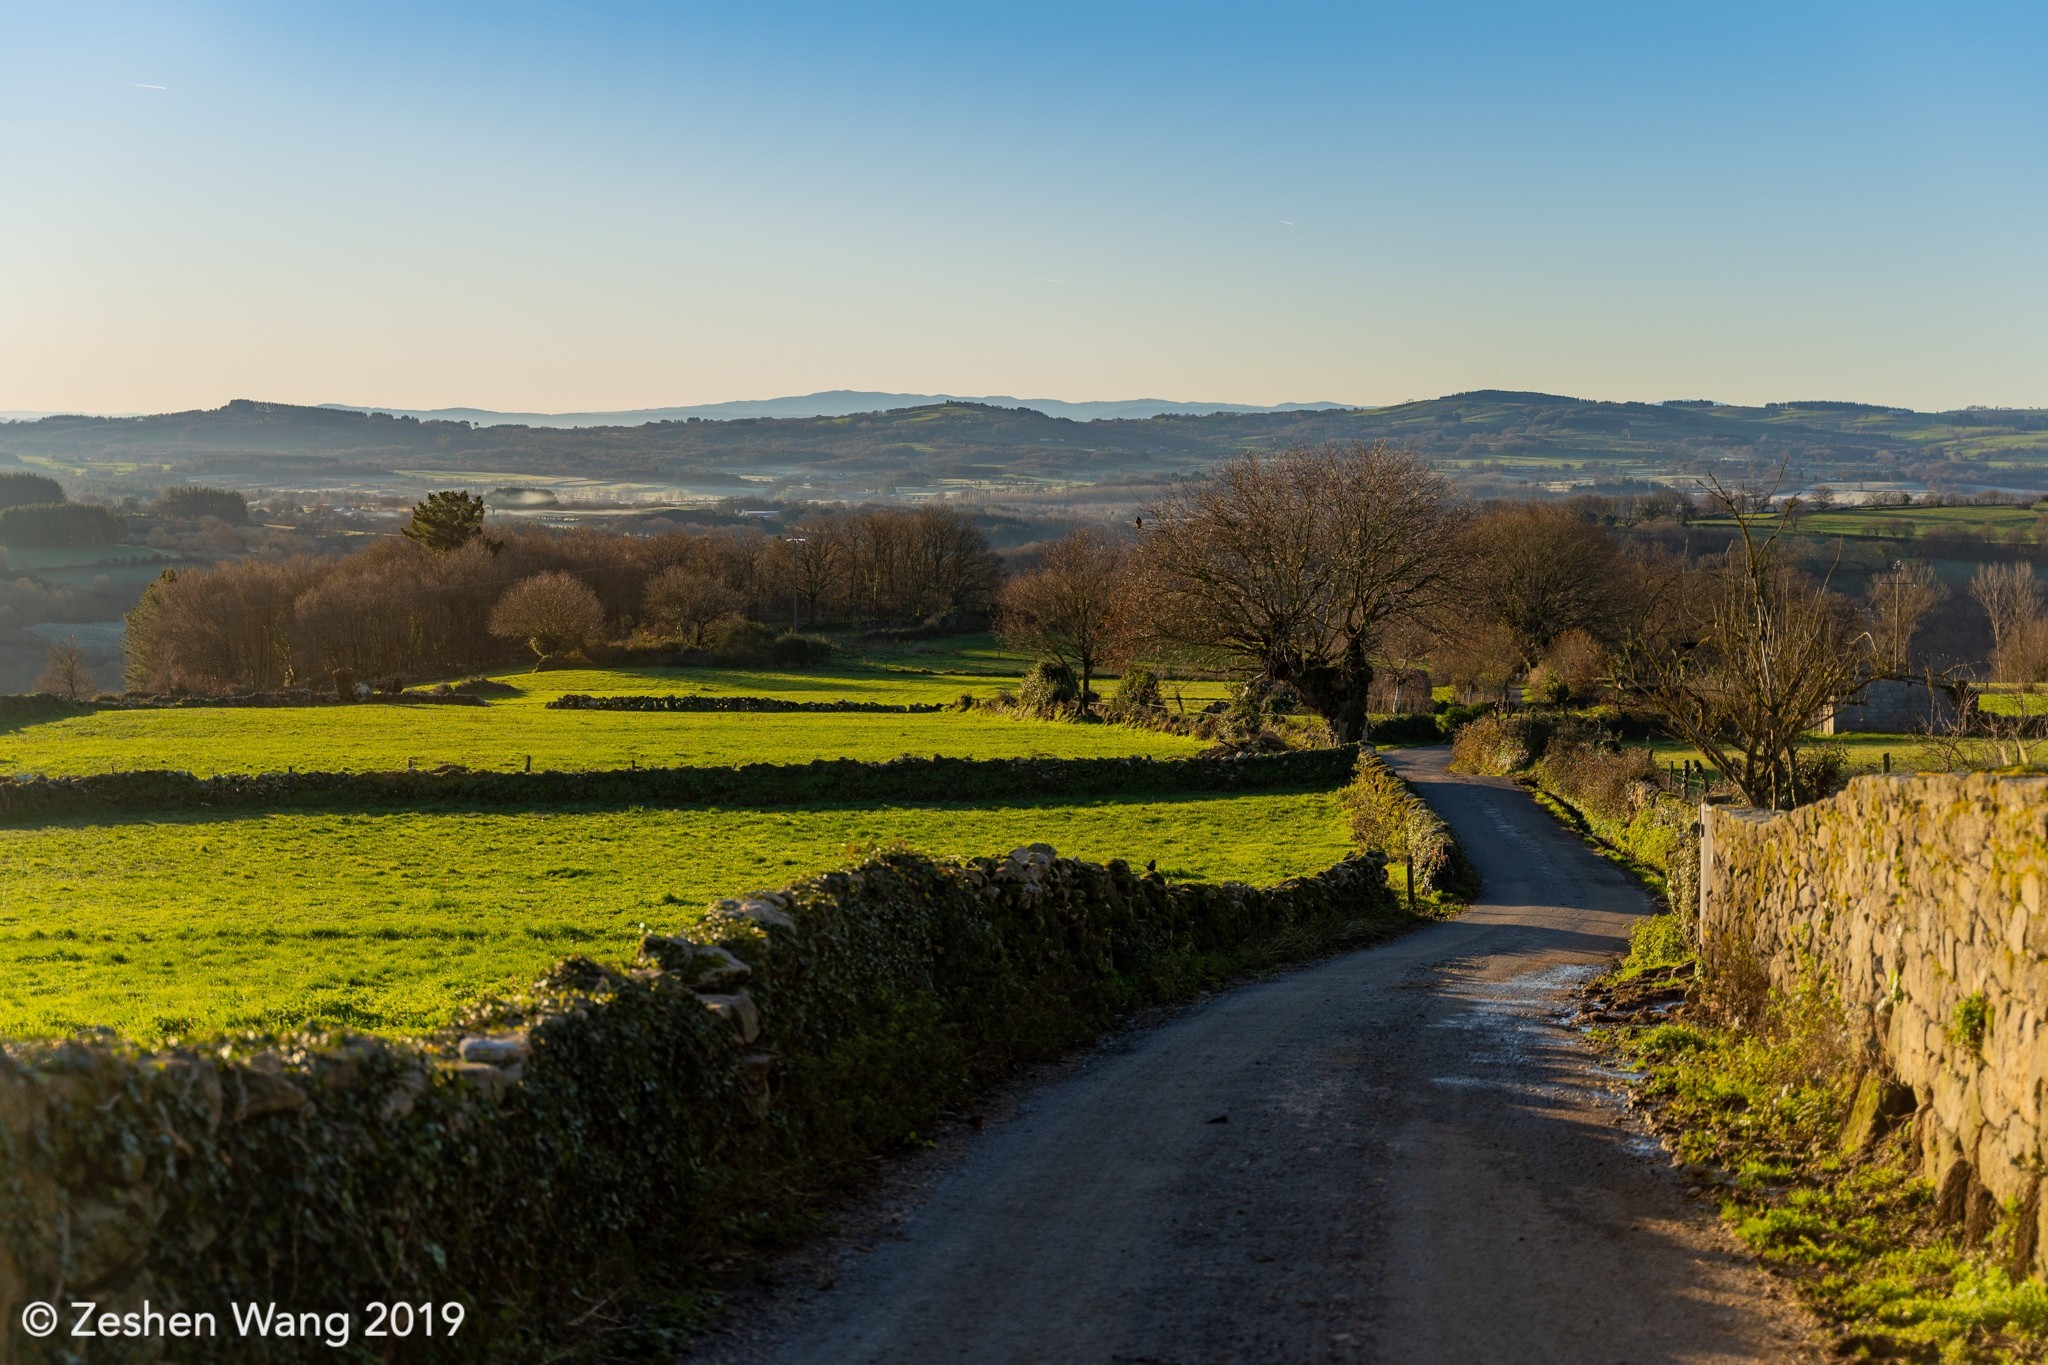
(831, 403)
(1492, 442)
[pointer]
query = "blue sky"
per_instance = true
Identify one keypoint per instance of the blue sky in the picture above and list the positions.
(598, 206)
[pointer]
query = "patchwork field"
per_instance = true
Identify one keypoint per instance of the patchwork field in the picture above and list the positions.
(392, 922)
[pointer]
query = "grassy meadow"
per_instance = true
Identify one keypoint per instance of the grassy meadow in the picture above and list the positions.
(392, 922)
(208, 740)
(197, 923)
(513, 728)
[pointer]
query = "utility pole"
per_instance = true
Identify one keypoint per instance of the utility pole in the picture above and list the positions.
(793, 542)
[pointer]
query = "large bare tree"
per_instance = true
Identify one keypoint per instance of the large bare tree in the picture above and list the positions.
(1750, 655)
(1297, 563)
(1069, 607)
(1540, 570)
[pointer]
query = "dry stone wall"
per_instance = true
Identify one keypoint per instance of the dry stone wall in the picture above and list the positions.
(1921, 899)
(607, 1126)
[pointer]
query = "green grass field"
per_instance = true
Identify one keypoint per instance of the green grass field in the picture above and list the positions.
(501, 737)
(394, 922)
(1906, 523)
(1862, 753)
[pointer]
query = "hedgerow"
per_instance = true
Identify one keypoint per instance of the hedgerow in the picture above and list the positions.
(820, 782)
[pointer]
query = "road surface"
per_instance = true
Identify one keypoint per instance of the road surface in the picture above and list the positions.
(1399, 1154)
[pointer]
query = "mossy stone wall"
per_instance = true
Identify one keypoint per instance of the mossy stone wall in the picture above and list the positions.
(613, 1125)
(1920, 897)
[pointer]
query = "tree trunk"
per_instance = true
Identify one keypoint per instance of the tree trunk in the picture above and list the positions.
(1338, 693)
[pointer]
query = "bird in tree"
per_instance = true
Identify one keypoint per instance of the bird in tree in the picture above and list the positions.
(447, 520)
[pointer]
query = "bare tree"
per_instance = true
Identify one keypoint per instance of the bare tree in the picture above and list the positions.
(1753, 655)
(1900, 599)
(686, 603)
(2023, 657)
(64, 672)
(1539, 570)
(1068, 607)
(818, 551)
(1297, 563)
(553, 612)
(2010, 596)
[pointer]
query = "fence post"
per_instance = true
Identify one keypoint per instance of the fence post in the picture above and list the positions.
(1706, 864)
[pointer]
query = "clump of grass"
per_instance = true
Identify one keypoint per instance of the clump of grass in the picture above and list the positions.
(1656, 944)
(1972, 1016)
(1760, 1103)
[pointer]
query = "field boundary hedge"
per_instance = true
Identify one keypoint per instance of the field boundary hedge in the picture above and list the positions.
(598, 1137)
(578, 701)
(820, 782)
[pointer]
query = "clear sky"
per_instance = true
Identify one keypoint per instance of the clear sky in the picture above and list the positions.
(587, 206)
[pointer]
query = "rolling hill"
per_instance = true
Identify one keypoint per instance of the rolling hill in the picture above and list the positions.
(1488, 438)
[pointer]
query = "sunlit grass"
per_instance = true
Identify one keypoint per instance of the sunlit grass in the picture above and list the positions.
(503, 737)
(392, 922)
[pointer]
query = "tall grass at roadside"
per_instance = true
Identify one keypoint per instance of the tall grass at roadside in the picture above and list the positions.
(1751, 1088)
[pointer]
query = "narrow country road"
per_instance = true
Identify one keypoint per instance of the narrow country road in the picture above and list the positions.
(1394, 1155)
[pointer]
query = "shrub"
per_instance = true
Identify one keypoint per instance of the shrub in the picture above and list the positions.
(1413, 728)
(1049, 689)
(739, 641)
(1137, 692)
(1494, 746)
(791, 650)
(1548, 687)
(1823, 770)
(1613, 784)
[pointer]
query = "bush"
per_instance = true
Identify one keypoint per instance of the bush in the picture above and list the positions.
(1548, 687)
(1494, 746)
(1050, 689)
(791, 650)
(1137, 692)
(1413, 728)
(53, 525)
(1613, 784)
(738, 641)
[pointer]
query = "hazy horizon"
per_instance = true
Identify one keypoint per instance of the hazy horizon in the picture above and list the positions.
(454, 411)
(627, 207)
